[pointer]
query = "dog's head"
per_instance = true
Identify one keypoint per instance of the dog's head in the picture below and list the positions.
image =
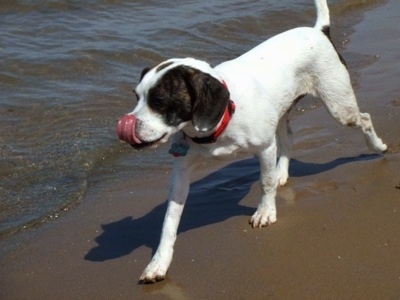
(176, 94)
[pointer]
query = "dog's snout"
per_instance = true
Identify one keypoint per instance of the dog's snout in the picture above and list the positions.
(139, 123)
(126, 129)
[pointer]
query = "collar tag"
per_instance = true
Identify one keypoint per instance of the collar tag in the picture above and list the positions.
(178, 149)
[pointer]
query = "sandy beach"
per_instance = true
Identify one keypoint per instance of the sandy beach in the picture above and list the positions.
(338, 217)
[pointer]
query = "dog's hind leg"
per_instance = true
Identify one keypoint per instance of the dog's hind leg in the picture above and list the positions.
(285, 144)
(338, 96)
(372, 140)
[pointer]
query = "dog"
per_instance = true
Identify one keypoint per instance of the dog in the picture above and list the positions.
(239, 107)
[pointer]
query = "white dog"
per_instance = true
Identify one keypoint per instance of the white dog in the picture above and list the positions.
(239, 107)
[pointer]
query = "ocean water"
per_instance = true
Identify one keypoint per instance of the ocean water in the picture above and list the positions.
(67, 69)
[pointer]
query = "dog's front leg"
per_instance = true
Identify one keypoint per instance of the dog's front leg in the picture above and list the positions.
(179, 189)
(266, 211)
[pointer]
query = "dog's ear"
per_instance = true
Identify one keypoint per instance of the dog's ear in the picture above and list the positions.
(144, 71)
(210, 100)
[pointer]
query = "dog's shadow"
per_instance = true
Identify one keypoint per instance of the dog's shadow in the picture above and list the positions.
(212, 199)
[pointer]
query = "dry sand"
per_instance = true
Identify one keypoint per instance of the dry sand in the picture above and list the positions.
(337, 235)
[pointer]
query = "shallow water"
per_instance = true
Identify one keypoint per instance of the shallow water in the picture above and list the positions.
(67, 69)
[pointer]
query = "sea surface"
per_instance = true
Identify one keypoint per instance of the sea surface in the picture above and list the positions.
(67, 70)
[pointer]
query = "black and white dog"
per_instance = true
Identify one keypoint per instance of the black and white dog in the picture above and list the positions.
(239, 107)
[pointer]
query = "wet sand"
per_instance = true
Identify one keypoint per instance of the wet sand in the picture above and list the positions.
(336, 235)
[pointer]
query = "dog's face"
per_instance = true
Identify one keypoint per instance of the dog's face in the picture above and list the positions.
(172, 96)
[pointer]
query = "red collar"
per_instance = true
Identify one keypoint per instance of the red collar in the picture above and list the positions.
(226, 118)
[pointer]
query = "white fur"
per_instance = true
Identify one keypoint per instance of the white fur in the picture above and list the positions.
(263, 84)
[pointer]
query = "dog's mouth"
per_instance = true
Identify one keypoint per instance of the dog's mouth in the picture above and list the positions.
(126, 132)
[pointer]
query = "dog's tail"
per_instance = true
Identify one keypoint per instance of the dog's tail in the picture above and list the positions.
(323, 21)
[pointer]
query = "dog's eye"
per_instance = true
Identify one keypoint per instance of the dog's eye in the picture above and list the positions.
(157, 101)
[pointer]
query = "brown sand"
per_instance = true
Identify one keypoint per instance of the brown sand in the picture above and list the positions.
(337, 234)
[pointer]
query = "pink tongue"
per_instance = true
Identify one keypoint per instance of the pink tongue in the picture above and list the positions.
(126, 129)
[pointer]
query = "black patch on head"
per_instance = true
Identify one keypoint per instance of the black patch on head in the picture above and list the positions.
(163, 66)
(170, 97)
(159, 68)
(184, 93)
(327, 31)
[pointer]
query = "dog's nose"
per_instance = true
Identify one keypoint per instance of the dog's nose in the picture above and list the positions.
(126, 129)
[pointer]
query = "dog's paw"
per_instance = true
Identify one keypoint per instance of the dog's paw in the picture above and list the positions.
(153, 273)
(283, 177)
(157, 268)
(263, 217)
(378, 146)
(282, 171)
(151, 278)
